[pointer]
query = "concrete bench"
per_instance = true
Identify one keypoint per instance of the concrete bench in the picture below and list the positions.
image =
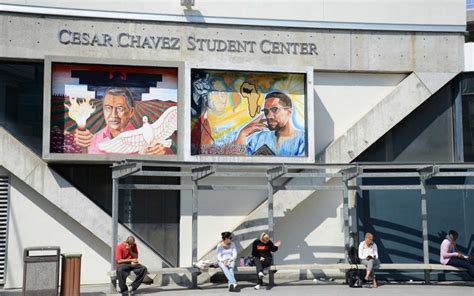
(194, 271)
(344, 267)
(152, 274)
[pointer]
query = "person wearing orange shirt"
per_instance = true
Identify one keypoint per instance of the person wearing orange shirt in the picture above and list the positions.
(126, 258)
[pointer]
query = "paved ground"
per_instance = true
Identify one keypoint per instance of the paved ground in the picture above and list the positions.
(299, 288)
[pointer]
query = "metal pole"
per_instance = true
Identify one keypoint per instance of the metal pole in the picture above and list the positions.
(345, 214)
(194, 230)
(270, 207)
(424, 227)
(271, 279)
(115, 204)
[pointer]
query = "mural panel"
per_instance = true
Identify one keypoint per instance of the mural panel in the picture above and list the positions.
(248, 113)
(102, 109)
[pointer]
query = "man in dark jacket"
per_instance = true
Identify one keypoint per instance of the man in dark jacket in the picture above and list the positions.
(262, 249)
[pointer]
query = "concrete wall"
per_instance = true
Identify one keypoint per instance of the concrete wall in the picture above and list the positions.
(218, 211)
(469, 57)
(341, 99)
(52, 201)
(33, 37)
(302, 12)
(313, 231)
(34, 221)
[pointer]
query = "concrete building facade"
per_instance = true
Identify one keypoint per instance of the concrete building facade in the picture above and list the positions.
(382, 85)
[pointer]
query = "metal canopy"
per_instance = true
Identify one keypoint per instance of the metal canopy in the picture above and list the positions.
(269, 174)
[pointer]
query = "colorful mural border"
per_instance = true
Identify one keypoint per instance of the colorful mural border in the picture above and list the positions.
(261, 156)
(59, 133)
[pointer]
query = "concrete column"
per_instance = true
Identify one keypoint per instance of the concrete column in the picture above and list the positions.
(345, 213)
(424, 227)
(271, 279)
(115, 206)
(458, 132)
(270, 207)
(194, 230)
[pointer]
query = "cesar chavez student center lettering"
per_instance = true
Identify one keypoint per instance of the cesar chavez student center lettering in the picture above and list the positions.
(192, 43)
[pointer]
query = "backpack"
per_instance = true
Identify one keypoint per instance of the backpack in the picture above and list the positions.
(353, 278)
(249, 261)
(353, 256)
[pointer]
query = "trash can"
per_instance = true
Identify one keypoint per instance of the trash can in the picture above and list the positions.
(41, 271)
(71, 274)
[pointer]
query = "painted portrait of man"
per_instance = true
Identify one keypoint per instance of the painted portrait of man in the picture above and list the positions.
(103, 109)
(252, 114)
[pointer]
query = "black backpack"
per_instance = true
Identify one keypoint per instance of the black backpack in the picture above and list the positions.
(353, 278)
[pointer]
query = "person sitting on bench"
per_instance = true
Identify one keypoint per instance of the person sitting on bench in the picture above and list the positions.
(369, 256)
(262, 249)
(226, 256)
(126, 258)
(450, 255)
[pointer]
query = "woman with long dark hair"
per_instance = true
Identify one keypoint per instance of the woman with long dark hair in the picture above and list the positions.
(226, 256)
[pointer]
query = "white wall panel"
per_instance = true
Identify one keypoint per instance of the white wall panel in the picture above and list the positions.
(313, 231)
(33, 221)
(341, 99)
(218, 211)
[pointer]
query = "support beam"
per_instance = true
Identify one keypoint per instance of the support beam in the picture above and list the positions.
(457, 122)
(271, 279)
(345, 214)
(194, 229)
(426, 173)
(351, 173)
(270, 207)
(276, 172)
(125, 169)
(424, 228)
(202, 172)
(115, 206)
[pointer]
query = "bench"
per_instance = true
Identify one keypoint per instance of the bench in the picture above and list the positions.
(172, 270)
(343, 267)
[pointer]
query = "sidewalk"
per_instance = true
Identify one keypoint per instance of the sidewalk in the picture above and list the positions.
(293, 288)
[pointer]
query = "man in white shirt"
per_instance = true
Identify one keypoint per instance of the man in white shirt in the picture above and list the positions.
(369, 256)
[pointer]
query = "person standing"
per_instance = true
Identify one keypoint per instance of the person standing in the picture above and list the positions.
(369, 256)
(262, 249)
(450, 255)
(226, 256)
(126, 258)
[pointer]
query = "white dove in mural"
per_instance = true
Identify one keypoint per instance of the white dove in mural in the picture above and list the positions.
(146, 136)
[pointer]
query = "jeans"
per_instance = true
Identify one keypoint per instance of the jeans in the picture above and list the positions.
(461, 262)
(123, 270)
(260, 265)
(371, 264)
(228, 271)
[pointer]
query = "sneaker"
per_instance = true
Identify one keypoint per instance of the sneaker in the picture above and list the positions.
(132, 290)
(231, 287)
(257, 287)
(234, 286)
(260, 275)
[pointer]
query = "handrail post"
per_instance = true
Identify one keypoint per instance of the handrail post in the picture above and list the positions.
(115, 206)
